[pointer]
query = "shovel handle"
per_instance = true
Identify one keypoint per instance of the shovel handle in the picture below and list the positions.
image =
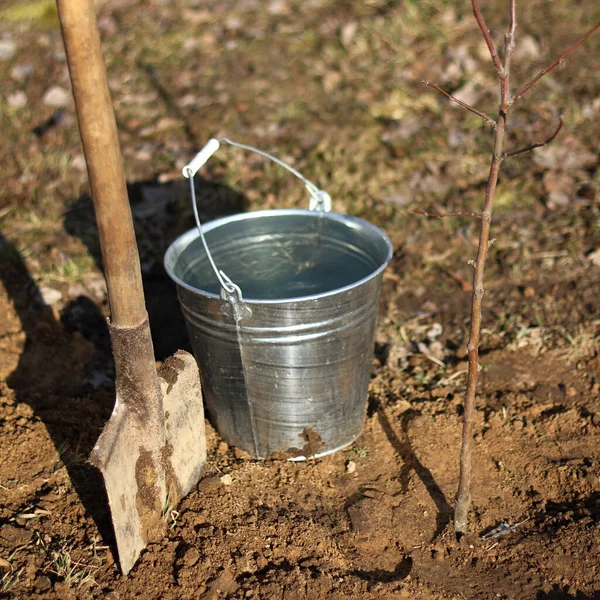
(98, 129)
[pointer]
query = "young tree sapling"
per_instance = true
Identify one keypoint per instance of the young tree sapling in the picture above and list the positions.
(507, 101)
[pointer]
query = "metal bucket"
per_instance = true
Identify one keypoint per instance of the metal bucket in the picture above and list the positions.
(285, 352)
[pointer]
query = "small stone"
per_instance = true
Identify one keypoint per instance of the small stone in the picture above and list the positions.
(78, 162)
(348, 32)
(241, 454)
(57, 97)
(21, 72)
(97, 286)
(594, 257)
(435, 331)
(7, 49)
(529, 292)
(17, 100)
(350, 467)
(279, 7)
(226, 479)
(42, 584)
(222, 448)
(50, 296)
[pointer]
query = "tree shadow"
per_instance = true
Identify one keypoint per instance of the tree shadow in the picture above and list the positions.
(556, 593)
(405, 450)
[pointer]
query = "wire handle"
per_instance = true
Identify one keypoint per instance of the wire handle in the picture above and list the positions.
(320, 200)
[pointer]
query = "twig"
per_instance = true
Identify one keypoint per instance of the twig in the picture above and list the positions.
(485, 117)
(458, 213)
(537, 144)
(509, 38)
(488, 37)
(555, 64)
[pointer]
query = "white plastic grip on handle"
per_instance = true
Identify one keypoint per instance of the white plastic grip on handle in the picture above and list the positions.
(200, 159)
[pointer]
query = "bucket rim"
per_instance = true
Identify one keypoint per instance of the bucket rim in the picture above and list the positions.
(190, 236)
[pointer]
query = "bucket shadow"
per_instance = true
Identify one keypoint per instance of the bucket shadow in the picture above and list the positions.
(404, 449)
(161, 212)
(51, 378)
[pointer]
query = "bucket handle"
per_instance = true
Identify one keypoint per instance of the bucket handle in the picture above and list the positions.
(320, 201)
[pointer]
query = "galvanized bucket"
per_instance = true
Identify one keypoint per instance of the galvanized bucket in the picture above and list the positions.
(283, 330)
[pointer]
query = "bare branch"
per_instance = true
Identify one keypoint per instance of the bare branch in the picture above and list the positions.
(485, 117)
(513, 19)
(557, 62)
(509, 38)
(458, 213)
(537, 144)
(487, 37)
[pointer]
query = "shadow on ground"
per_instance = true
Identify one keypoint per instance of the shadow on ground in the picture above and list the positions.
(161, 213)
(63, 349)
(403, 446)
(558, 594)
(51, 379)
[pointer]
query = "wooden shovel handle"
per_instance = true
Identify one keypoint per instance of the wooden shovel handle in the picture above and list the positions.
(98, 130)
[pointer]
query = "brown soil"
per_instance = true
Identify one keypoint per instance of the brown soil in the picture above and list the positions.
(334, 88)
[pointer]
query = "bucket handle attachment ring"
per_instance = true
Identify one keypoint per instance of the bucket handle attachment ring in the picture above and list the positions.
(320, 201)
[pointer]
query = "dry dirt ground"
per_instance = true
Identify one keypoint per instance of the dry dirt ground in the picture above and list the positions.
(334, 88)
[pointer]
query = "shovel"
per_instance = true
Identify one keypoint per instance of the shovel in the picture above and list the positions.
(153, 448)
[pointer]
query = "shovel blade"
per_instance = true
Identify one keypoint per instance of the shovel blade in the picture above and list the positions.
(148, 466)
(129, 458)
(184, 423)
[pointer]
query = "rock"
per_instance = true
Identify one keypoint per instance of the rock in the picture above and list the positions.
(594, 257)
(435, 331)
(50, 296)
(279, 7)
(469, 93)
(222, 448)
(226, 479)
(97, 286)
(78, 162)
(560, 187)
(347, 33)
(526, 49)
(21, 72)
(57, 97)
(7, 49)
(455, 139)
(42, 584)
(17, 100)
(350, 467)
(241, 454)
